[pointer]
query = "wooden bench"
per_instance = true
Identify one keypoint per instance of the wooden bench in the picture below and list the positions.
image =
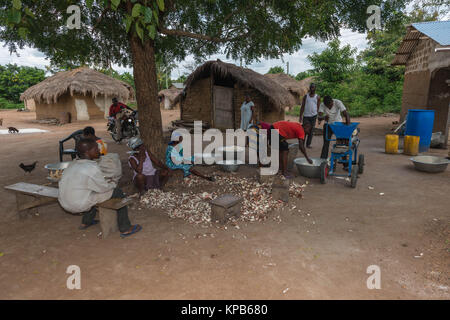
(31, 196)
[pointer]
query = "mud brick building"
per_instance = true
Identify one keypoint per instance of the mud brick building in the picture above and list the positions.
(425, 53)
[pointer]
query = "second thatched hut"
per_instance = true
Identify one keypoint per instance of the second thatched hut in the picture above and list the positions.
(215, 91)
(167, 99)
(83, 93)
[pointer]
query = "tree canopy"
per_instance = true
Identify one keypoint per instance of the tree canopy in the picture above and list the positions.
(135, 32)
(275, 70)
(248, 29)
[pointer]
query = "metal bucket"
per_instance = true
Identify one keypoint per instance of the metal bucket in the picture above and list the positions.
(309, 170)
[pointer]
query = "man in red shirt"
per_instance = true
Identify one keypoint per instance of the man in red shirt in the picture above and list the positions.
(291, 130)
(116, 110)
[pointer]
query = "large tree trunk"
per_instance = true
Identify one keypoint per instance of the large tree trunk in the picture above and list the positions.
(144, 69)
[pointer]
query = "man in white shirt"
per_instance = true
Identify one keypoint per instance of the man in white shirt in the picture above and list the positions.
(331, 110)
(83, 185)
(309, 110)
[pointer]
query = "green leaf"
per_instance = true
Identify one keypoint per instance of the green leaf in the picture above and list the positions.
(115, 4)
(136, 10)
(23, 32)
(29, 13)
(139, 31)
(156, 15)
(160, 4)
(89, 3)
(128, 22)
(14, 16)
(152, 31)
(147, 15)
(17, 4)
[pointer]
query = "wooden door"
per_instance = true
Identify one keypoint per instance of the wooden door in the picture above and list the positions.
(223, 108)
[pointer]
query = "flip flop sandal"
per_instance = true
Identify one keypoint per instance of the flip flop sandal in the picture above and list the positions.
(85, 227)
(136, 228)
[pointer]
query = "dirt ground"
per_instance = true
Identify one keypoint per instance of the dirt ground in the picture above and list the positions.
(321, 253)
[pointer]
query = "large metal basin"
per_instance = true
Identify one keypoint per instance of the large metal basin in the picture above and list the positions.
(309, 170)
(203, 157)
(430, 163)
(230, 165)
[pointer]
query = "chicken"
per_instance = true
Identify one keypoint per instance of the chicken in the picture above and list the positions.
(28, 168)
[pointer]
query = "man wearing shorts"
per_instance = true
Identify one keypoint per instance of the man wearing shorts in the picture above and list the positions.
(291, 130)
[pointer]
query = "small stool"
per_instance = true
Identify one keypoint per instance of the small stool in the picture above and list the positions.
(280, 190)
(107, 212)
(225, 207)
(265, 178)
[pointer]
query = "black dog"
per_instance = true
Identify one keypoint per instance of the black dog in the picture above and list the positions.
(12, 130)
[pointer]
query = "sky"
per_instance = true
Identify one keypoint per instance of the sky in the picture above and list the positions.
(298, 61)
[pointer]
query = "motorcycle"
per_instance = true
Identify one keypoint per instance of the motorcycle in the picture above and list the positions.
(130, 127)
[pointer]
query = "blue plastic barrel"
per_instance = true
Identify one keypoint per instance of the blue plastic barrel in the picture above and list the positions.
(420, 123)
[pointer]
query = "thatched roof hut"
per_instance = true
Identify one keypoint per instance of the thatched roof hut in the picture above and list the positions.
(297, 88)
(167, 98)
(287, 82)
(215, 91)
(83, 92)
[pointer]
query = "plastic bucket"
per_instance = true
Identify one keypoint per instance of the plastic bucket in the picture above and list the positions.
(411, 145)
(420, 123)
(391, 144)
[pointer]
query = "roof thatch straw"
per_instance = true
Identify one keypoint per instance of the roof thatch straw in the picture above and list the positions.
(276, 94)
(298, 88)
(170, 94)
(305, 83)
(82, 81)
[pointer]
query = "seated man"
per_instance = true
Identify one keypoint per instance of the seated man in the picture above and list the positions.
(118, 111)
(173, 154)
(145, 175)
(331, 110)
(89, 133)
(291, 130)
(83, 186)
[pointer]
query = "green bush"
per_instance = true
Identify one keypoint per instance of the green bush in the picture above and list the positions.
(294, 112)
(14, 80)
(5, 104)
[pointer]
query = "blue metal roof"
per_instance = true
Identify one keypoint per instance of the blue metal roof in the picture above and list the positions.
(439, 31)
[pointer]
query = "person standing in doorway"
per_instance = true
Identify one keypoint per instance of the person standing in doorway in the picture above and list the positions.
(247, 113)
(309, 111)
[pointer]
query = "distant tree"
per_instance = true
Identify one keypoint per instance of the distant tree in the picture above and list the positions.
(14, 80)
(181, 79)
(334, 64)
(304, 74)
(275, 70)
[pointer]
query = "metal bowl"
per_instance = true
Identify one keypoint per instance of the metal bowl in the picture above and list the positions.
(203, 157)
(57, 166)
(231, 152)
(430, 163)
(55, 170)
(309, 170)
(230, 165)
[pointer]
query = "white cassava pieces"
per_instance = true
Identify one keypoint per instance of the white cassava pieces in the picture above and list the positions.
(195, 208)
